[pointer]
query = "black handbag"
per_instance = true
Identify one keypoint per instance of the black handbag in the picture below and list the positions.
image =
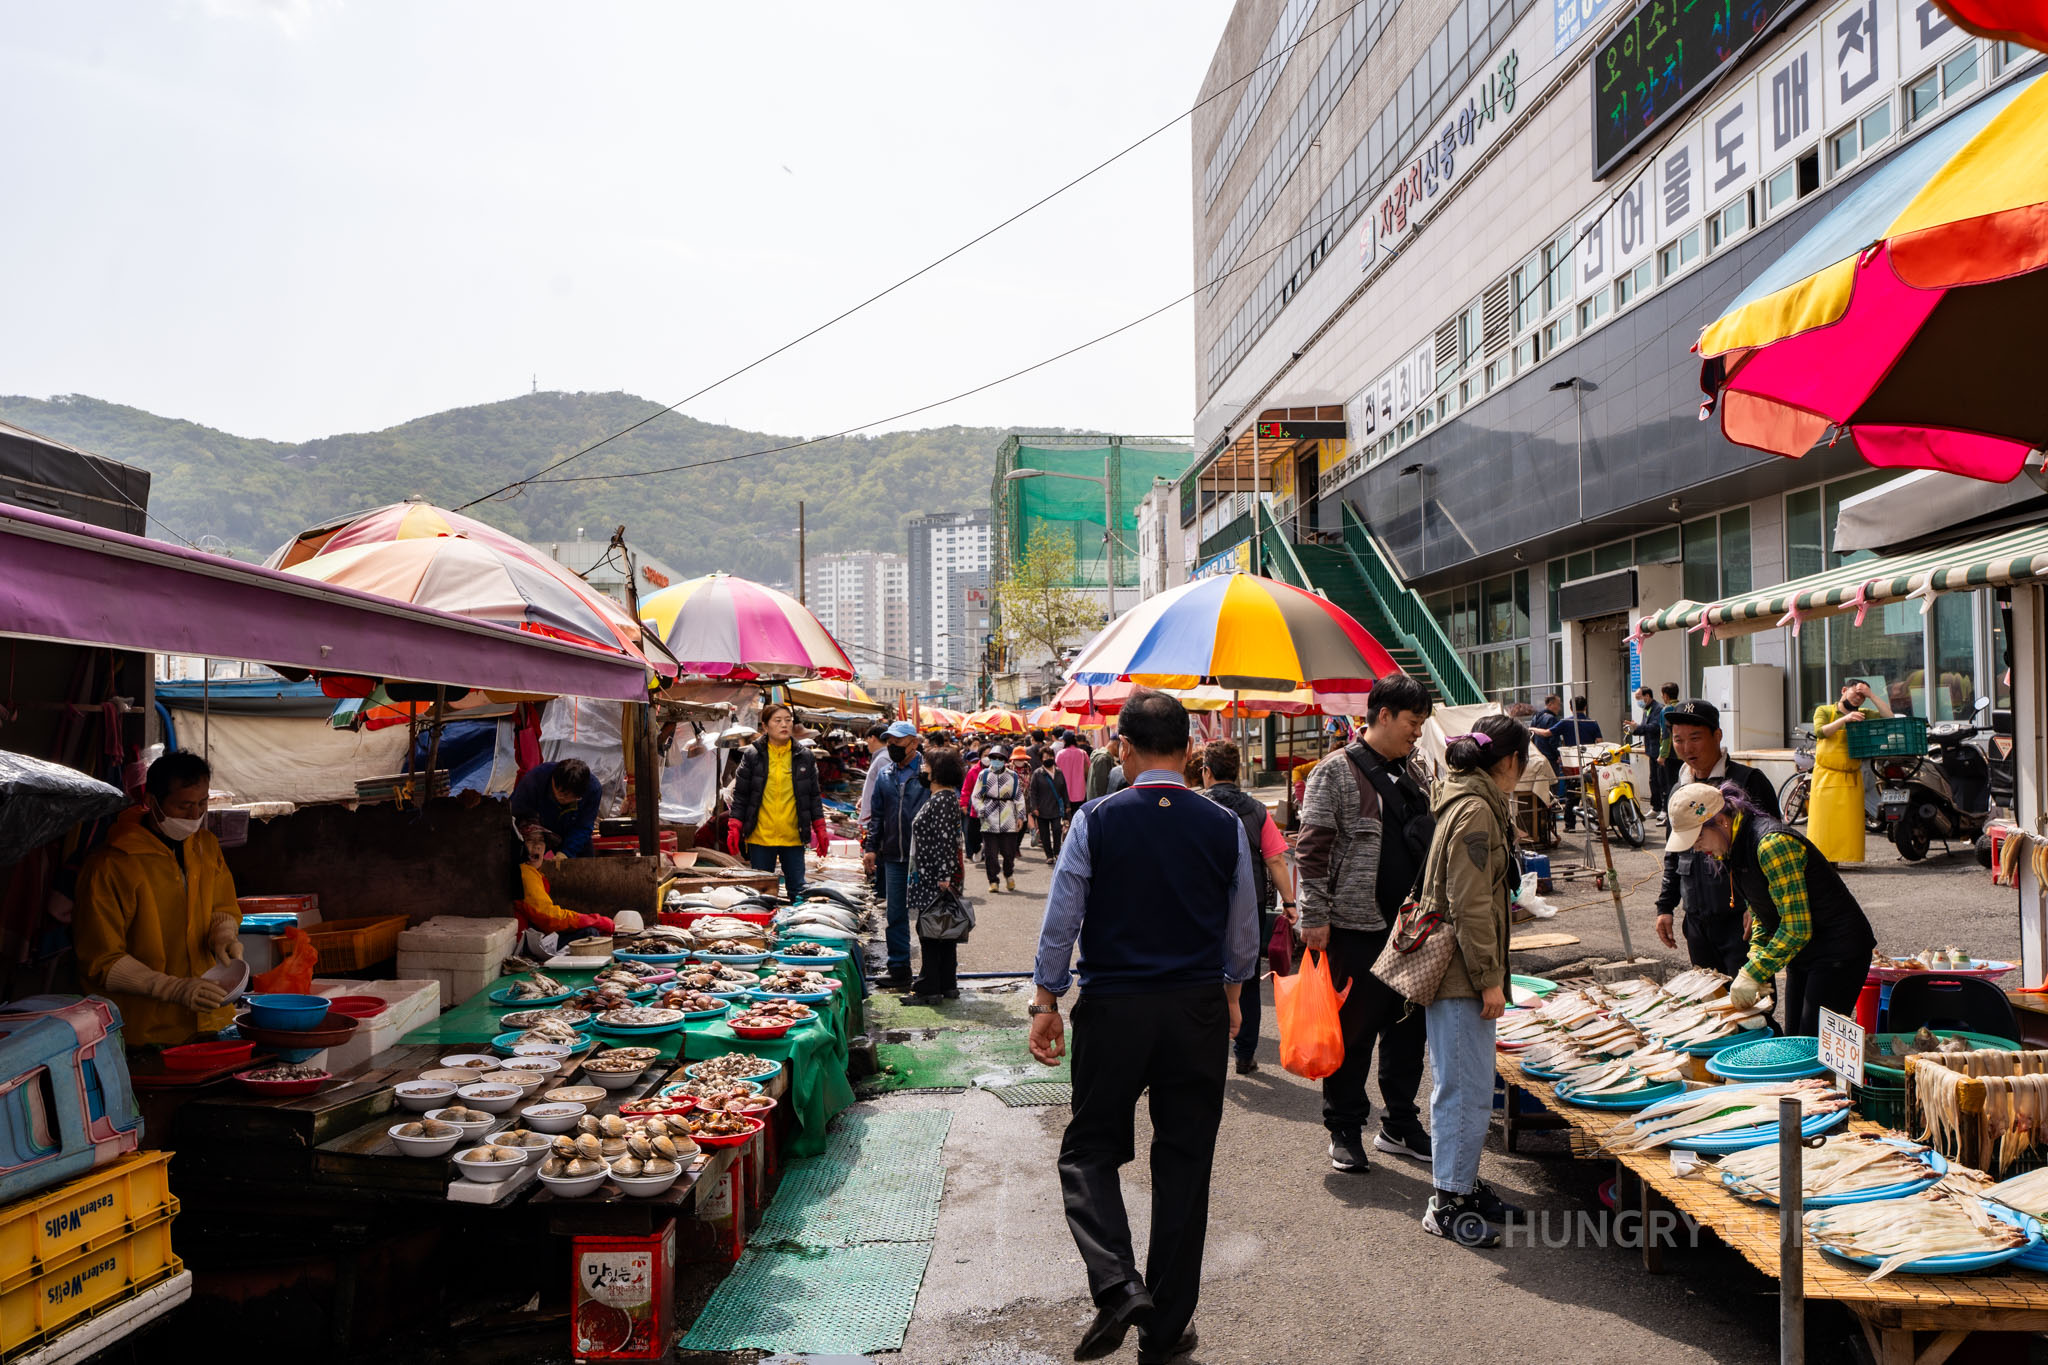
(948, 919)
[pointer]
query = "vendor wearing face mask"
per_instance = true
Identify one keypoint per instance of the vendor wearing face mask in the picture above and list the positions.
(1805, 920)
(156, 909)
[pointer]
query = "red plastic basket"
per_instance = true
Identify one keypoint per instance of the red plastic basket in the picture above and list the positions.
(206, 1056)
(358, 1006)
(759, 1031)
(729, 1139)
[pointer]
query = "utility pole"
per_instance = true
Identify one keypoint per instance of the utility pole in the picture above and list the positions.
(646, 760)
(800, 574)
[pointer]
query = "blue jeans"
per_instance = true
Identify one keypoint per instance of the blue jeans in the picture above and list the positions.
(896, 889)
(1461, 1099)
(1246, 1044)
(764, 857)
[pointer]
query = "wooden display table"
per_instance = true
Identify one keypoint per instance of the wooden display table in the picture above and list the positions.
(1890, 1311)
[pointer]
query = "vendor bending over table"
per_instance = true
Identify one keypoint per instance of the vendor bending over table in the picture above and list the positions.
(156, 909)
(1803, 917)
(562, 798)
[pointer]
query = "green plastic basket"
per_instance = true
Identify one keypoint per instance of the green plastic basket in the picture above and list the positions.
(1884, 1074)
(1887, 738)
(1884, 1105)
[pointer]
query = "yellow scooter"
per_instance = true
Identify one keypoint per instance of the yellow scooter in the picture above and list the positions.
(1615, 785)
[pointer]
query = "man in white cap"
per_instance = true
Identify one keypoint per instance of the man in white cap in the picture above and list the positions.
(1806, 921)
(1715, 934)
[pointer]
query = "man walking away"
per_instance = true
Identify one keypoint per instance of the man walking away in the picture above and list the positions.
(1365, 830)
(1047, 806)
(999, 796)
(1714, 934)
(1269, 873)
(1650, 729)
(1156, 885)
(1073, 765)
(897, 797)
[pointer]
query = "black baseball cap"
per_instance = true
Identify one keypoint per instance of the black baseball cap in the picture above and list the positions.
(1701, 713)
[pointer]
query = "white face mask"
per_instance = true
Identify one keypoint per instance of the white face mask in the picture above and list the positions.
(178, 831)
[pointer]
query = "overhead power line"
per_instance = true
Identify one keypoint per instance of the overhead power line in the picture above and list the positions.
(925, 269)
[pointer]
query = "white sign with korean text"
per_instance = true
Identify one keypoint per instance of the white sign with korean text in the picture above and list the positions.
(1680, 193)
(1730, 132)
(1789, 105)
(1925, 33)
(1859, 58)
(1572, 20)
(1398, 392)
(1841, 1046)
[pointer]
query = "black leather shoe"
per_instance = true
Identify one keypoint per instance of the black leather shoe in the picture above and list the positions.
(1185, 1346)
(1105, 1335)
(1247, 1065)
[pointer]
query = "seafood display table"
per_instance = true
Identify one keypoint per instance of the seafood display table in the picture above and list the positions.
(814, 1056)
(1891, 1311)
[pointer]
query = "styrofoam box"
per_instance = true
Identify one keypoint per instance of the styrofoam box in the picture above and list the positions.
(458, 985)
(412, 1003)
(460, 934)
(420, 963)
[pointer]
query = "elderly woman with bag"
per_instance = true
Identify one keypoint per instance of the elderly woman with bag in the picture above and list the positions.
(938, 870)
(1449, 954)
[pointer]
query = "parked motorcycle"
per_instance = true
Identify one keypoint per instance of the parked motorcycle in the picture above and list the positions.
(1946, 793)
(1614, 787)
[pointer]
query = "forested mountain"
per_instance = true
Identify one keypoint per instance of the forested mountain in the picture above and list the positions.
(738, 515)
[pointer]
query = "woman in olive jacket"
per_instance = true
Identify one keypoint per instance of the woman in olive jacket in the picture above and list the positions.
(1470, 869)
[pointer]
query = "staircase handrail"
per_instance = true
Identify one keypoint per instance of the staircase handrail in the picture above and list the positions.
(1280, 549)
(1404, 607)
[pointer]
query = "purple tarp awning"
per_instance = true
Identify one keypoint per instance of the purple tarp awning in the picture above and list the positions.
(66, 581)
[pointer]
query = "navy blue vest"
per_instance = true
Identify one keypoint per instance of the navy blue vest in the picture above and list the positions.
(1162, 860)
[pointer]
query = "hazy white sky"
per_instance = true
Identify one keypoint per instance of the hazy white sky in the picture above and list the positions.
(300, 217)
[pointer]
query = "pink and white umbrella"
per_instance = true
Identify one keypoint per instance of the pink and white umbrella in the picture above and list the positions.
(726, 627)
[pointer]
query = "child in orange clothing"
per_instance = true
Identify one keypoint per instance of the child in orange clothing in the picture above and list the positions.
(536, 909)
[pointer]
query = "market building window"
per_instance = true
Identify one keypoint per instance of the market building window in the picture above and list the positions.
(1681, 256)
(1732, 220)
(1488, 624)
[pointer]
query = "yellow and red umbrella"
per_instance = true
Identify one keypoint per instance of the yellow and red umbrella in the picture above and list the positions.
(2005, 21)
(726, 627)
(997, 721)
(944, 717)
(1241, 633)
(1909, 316)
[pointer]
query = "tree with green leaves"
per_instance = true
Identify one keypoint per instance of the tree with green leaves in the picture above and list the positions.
(1040, 614)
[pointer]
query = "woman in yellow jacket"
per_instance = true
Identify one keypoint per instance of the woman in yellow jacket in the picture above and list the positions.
(156, 910)
(1834, 819)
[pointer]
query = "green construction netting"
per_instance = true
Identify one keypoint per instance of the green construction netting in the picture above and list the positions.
(1073, 508)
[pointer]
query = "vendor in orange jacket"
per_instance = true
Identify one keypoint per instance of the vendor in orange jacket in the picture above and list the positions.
(156, 910)
(536, 908)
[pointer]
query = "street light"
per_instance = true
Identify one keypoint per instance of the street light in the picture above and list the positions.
(1108, 517)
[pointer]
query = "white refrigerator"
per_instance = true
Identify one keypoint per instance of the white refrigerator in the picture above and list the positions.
(1751, 699)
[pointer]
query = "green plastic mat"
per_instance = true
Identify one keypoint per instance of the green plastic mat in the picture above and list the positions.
(986, 1058)
(879, 1180)
(1034, 1094)
(972, 1010)
(819, 1301)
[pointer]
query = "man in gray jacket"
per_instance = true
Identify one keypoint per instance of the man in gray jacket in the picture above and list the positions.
(1365, 832)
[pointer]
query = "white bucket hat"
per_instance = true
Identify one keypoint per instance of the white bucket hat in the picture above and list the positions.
(1691, 806)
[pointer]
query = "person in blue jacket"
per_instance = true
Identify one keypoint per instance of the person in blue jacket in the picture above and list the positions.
(562, 798)
(897, 796)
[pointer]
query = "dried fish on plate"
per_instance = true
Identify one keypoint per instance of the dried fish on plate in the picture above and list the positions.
(1722, 1109)
(1900, 1232)
(1843, 1164)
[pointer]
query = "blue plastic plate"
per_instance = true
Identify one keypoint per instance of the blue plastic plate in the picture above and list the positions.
(805, 959)
(2034, 1256)
(504, 1042)
(741, 994)
(718, 1013)
(771, 1069)
(814, 998)
(1936, 1163)
(1634, 1099)
(733, 959)
(1541, 1073)
(501, 998)
(1768, 1059)
(640, 1030)
(1962, 1262)
(659, 959)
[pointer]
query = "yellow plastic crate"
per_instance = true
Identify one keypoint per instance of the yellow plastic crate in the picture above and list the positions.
(41, 1232)
(39, 1308)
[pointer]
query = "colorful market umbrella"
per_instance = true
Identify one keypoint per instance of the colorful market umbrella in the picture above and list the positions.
(837, 696)
(423, 521)
(1909, 316)
(943, 717)
(2007, 21)
(726, 627)
(1081, 699)
(1053, 718)
(1241, 633)
(470, 578)
(996, 721)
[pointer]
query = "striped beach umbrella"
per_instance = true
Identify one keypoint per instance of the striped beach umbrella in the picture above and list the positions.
(1241, 633)
(996, 721)
(726, 627)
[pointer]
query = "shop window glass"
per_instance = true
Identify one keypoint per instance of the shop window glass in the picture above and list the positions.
(1553, 575)
(1843, 148)
(1579, 566)
(1439, 608)
(1658, 547)
(1781, 189)
(2001, 665)
(1608, 558)
(1812, 670)
(1735, 573)
(1499, 615)
(1804, 553)
(1521, 605)
(1890, 644)
(1556, 662)
(1522, 676)
(1923, 97)
(1959, 72)
(1680, 255)
(1697, 658)
(1700, 550)
(1955, 656)
(1876, 125)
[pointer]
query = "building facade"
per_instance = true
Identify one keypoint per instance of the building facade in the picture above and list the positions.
(603, 568)
(863, 598)
(949, 596)
(1454, 263)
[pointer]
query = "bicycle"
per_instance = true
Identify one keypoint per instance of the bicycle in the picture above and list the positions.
(1795, 791)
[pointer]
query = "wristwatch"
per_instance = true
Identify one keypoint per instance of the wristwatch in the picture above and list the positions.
(1036, 1010)
(1287, 905)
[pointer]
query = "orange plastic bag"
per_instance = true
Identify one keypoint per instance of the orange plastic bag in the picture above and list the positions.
(294, 974)
(1311, 1038)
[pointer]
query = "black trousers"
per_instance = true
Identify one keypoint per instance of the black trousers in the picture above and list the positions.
(999, 851)
(938, 967)
(1050, 836)
(970, 830)
(1717, 942)
(1372, 1013)
(1174, 1044)
(1818, 986)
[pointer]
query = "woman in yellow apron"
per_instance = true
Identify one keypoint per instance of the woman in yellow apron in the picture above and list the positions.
(1834, 820)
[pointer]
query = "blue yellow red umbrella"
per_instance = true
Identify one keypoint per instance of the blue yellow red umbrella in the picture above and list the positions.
(1242, 633)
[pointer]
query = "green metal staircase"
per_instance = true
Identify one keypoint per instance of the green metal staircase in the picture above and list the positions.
(1357, 578)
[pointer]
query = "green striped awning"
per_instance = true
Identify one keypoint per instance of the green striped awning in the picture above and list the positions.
(2013, 555)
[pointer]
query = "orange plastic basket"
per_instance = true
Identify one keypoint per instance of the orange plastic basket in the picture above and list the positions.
(348, 945)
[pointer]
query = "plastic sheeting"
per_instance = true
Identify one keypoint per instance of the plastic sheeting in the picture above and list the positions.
(39, 800)
(580, 727)
(689, 777)
(300, 759)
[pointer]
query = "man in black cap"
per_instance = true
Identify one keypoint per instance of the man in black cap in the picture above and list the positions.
(1714, 914)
